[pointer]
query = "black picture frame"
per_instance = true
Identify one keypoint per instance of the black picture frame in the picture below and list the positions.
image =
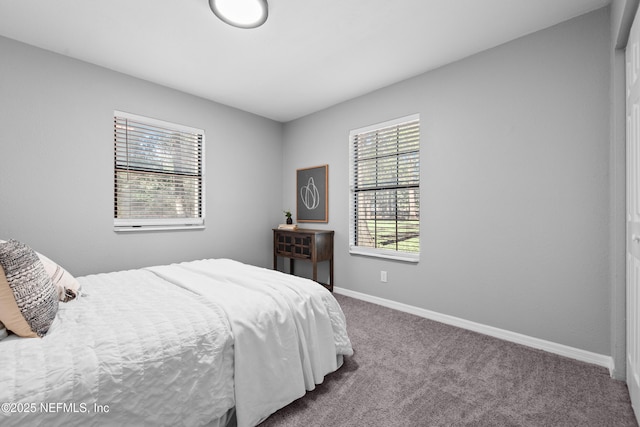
(312, 194)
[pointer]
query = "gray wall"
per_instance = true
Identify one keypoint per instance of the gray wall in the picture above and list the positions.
(514, 184)
(56, 166)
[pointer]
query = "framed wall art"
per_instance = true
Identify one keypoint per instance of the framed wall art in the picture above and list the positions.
(312, 187)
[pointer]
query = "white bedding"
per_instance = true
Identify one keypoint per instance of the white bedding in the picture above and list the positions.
(175, 345)
(287, 330)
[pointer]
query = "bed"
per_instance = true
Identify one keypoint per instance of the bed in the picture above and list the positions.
(211, 342)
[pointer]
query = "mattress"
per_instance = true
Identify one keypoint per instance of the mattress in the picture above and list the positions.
(182, 344)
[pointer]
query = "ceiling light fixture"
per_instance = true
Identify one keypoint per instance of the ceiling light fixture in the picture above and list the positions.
(241, 13)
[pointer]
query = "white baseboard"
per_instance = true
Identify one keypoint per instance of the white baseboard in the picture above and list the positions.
(551, 347)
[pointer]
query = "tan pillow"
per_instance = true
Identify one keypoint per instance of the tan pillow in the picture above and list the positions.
(28, 299)
(9, 311)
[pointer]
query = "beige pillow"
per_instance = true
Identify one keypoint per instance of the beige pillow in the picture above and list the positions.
(66, 285)
(28, 298)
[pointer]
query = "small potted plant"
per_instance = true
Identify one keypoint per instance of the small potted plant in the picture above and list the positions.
(288, 215)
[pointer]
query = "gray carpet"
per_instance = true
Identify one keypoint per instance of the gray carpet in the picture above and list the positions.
(410, 371)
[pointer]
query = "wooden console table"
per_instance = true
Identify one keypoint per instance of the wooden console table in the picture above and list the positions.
(307, 245)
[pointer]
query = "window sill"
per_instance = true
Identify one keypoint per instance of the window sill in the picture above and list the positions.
(140, 228)
(377, 253)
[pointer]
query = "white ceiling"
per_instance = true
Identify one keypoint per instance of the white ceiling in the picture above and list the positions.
(308, 56)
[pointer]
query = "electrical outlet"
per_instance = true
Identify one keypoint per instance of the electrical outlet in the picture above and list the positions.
(383, 276)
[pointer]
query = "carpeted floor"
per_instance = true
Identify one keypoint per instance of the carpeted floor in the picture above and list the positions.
(410, 371)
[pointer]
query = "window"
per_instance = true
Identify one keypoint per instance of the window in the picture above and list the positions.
(384, 208)
(158, 174)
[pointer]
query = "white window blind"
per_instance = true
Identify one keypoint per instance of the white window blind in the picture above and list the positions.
(385, 189)
(158, 174)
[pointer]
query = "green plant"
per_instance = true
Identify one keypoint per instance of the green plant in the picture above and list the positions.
(287, 214)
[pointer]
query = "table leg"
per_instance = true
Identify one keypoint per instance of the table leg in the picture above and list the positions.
(331, 272)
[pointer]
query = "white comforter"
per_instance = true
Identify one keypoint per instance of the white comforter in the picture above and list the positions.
(141, 348)
(287, 330)
(175, 345)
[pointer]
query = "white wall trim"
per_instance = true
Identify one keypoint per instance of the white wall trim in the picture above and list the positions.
(551, 347)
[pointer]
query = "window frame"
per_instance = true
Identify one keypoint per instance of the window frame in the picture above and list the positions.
(151, 224)
(355, 249)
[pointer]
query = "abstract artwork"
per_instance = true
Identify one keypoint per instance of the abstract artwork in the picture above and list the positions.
(312, 190)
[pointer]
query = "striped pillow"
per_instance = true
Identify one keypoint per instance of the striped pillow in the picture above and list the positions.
(67, 286)
(28, 298)
(3, 331)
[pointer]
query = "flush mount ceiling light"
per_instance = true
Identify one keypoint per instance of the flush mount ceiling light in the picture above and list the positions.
(241, 13)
